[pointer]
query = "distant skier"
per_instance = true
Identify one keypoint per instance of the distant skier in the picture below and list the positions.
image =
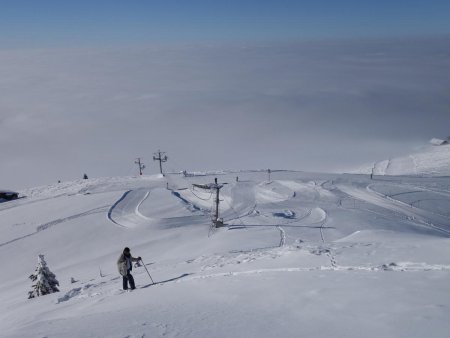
(125, 265)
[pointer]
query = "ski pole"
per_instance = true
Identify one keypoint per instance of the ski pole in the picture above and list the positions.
(147, 271)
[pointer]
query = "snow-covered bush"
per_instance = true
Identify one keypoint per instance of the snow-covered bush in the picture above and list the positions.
(44, 280)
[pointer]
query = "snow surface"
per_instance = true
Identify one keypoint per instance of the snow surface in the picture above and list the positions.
(304, 255)
(430, 161)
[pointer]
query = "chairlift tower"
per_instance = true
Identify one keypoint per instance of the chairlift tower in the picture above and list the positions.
(140, 164)
(159, 156)
(217, 222)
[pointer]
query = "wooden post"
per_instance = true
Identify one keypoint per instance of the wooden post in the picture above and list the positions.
(216, 216)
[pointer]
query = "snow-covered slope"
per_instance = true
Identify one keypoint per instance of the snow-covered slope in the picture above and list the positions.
(430, 161)
(309, 255)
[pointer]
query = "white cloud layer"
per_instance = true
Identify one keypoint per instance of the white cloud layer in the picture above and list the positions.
(320, 106)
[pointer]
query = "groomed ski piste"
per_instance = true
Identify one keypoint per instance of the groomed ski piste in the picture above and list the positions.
(301, 255)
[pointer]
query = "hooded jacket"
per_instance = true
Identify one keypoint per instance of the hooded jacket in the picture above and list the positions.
(122, 263)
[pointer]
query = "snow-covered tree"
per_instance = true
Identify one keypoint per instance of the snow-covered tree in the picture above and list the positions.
(44, 280)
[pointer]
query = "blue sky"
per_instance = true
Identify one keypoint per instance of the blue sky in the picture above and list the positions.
(47, 23)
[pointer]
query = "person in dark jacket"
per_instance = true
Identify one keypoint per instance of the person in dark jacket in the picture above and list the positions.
(125, 265)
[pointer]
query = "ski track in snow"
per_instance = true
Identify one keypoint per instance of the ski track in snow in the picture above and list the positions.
(125, 212)
(395, 267)
(416, 213)
(418, 190)
(373, 197)
(312, 217)
(26, 201)
(110, 211)
(105, 289)
(50, 224)
(136, 210)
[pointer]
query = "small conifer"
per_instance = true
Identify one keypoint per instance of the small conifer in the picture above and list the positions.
(44, 280)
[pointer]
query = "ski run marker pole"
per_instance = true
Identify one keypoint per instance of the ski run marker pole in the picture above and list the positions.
(147, 271)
